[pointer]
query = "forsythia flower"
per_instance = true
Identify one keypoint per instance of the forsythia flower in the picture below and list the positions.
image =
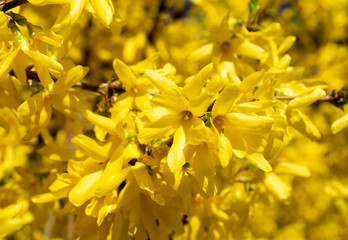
(103, 9)
(173, 119)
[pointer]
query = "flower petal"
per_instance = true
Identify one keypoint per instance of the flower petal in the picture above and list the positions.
(162, 128)
(30, 107)
(176, 158)
(42, 120)
(339, 124)
(303, 124)
(259, 160)
(225, 101)
(307, 100)
(104, 10)
(281, 190)
(113, 175)
(85, 188)
(89, 147)
(73, 76)
(194, 87)
(126, 76)
(160, 81)
(76, 9)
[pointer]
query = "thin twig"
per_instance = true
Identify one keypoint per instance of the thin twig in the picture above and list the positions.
(13, 4)
(152, 33)
(113, 87)
(327, 98)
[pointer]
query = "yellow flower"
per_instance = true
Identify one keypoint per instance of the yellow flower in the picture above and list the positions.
(185, 106)
(14, 210)
(244, 132)
(56, 95)
(103, 9)
(136, 96)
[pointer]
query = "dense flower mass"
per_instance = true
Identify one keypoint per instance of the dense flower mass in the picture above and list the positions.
(182, 119)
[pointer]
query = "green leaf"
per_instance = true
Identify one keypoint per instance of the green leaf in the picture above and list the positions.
(344, 99)
(253, 8)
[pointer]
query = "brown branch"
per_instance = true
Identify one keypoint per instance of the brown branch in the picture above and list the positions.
(113, 87)
(9, 5)
(109, 88)
(284, 97)
(151, 35)
(30, 74)
(327, 98)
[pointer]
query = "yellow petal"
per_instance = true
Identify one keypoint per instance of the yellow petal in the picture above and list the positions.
(30, 107)
(339, 124)
(131, 151)
(225, 101)
(52, 65)
(257, 106)
(76, 9)
(224, 33)
(103, 122)
(251, 81)
(143, 102)
(155, 113)
(281, 190)
(303, 124)
(108, 206)
(199, 105)
(246, 48)
(194, 87)
(293, 169)
(89, 147)
(113, 174)
(170, 98)
(286, 44)
(84, 189)
(42, 120)
(18, 68)
(238, 143)
(308, 99)
(73, 76)
(162, 128)
(245, 122)
(259, 160)
(7, 59)
(104, 10)
(176, 158)
(47, 2)
(44, 75)
(119, 227)
(160, 81)
(13, 217)
(121, 108)
(50, 37)
(201, 54)
(225, 152)
(51, 196)
(143, 178)
(126, 76)
(200, 134)
(203, 162)
(129, 193)
(63, 181)
(94, 206)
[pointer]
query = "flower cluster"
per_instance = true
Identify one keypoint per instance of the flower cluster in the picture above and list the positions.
(168, 120)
